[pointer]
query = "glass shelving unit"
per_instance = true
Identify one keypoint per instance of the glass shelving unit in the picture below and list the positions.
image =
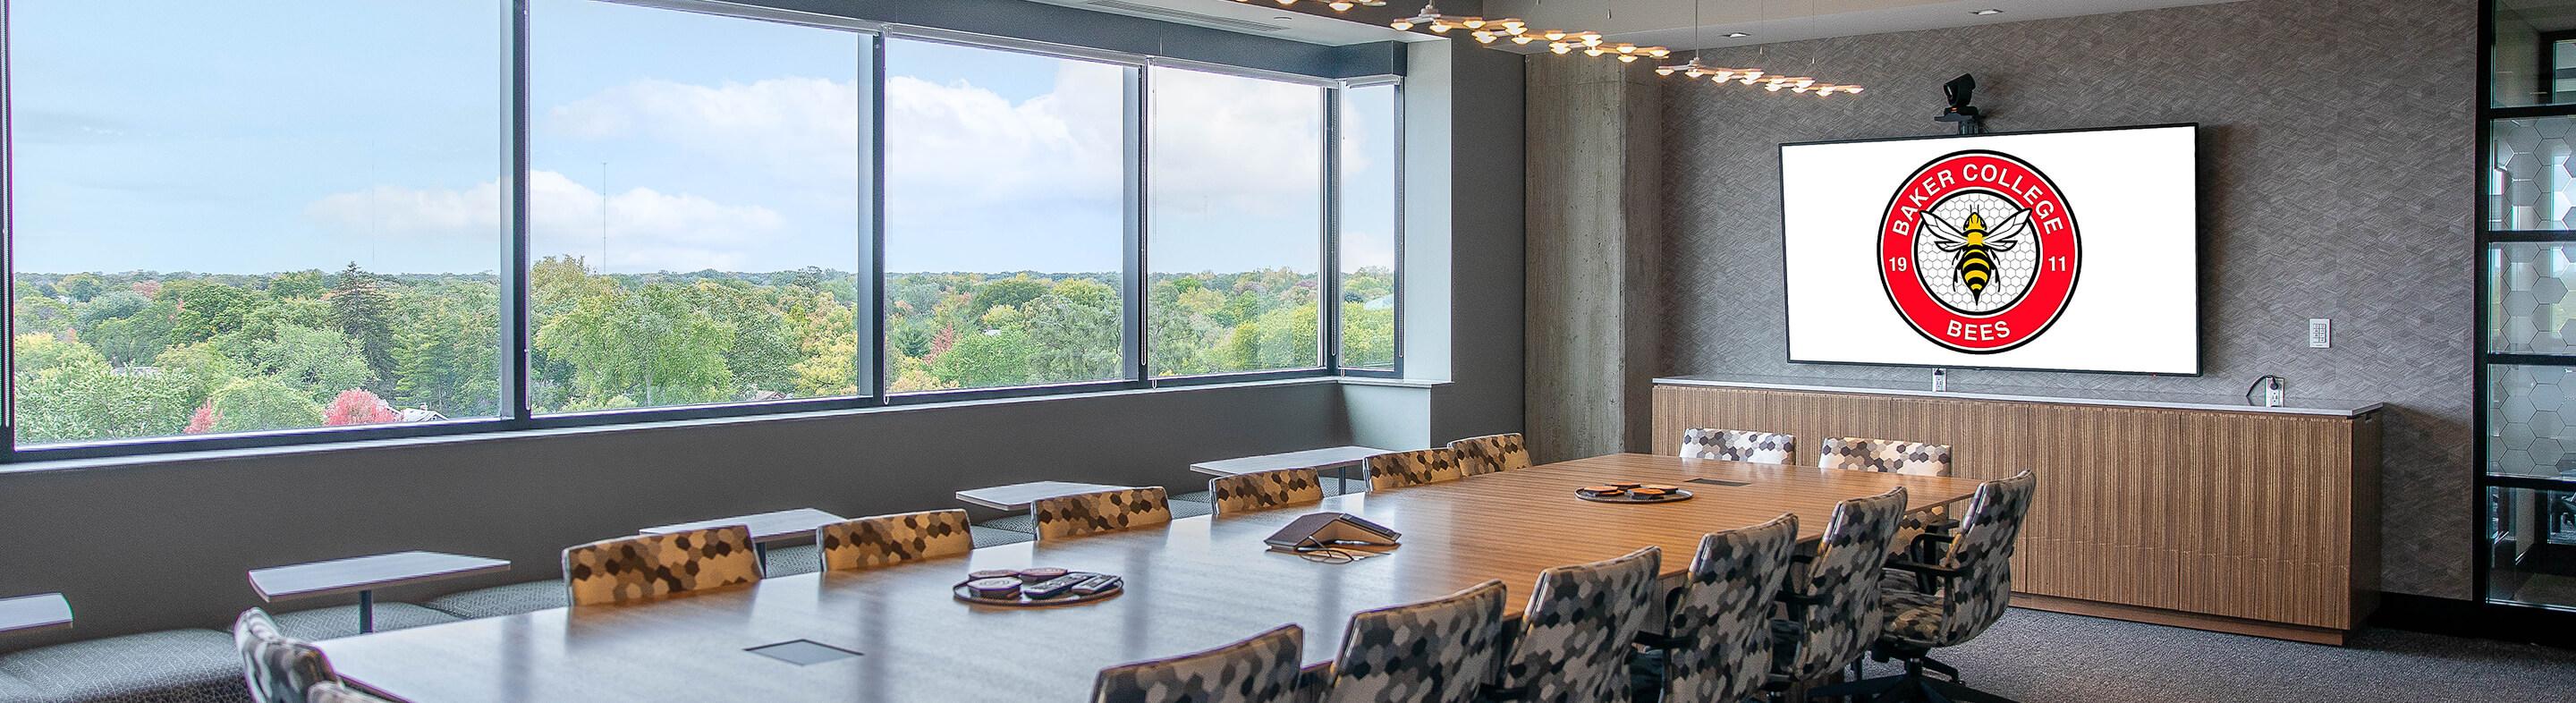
(2526, 386)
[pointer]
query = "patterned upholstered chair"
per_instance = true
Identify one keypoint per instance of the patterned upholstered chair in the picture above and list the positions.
(1086, 513)
(886, 540)
(644, 566)
(277, 668)
(1717, 634)
(1440, 651)
(1413, 468)
(1833, 603)
(1950, 601)
(1574, 640)
(1262, 490)
(1478, 456)
(1739, 445)
(335, 692)
(1885, 456)
(1262, 669)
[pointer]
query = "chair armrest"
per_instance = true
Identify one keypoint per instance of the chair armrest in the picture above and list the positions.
(1924, 569)
(1658, 640)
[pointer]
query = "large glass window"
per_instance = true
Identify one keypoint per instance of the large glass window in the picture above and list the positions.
(693, 213)
(1235, 195)
(1006, 191)
(1367, 224)
(235, 217)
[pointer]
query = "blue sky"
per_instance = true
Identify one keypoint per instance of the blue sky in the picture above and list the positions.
(312, 133)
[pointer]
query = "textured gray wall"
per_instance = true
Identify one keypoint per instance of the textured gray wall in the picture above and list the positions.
(2337, 181)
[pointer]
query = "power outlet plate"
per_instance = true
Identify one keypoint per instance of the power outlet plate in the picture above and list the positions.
(2320, 333)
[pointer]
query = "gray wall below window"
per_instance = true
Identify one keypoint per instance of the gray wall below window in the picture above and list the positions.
(2337, 181)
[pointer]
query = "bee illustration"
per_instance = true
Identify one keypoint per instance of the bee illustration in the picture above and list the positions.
(1976, 245)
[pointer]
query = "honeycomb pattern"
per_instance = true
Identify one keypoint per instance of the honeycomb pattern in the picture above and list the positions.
(2529, 410)
(2527, 306)
(2013, 268)
(2530, 185)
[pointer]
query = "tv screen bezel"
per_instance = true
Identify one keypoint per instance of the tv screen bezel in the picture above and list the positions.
(2199, 251)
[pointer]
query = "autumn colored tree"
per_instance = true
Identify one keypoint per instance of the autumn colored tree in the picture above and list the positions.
(356, 406)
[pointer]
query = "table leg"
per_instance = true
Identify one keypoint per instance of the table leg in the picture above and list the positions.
(366, 612)
(760, 553)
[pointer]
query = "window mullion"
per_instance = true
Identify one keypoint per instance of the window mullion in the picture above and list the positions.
(514, 299)
(1328, 313)
(872, 293)
(1133, 327)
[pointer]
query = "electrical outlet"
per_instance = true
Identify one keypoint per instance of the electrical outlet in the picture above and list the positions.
(2320, 334)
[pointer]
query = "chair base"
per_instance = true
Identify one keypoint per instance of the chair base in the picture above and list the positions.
(1914, 686)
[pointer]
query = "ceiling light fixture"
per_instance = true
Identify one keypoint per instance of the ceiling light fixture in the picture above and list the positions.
(1735, 35)
(1987, 11)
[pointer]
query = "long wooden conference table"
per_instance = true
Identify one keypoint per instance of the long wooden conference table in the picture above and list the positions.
(1192, 585)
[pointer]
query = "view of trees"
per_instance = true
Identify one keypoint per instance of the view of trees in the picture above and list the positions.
(144, 354)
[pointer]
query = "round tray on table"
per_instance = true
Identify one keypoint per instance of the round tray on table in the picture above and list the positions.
(1624, 497)
(1023, 601)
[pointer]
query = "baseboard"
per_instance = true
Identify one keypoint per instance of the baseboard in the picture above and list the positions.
(2176, 618)
(2461, 618)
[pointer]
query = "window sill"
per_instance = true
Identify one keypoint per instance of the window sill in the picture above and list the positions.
(178, 457)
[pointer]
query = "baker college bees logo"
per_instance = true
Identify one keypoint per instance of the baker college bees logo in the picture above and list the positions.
(1978, 252)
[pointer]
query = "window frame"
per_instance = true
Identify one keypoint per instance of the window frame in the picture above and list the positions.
(516, 339)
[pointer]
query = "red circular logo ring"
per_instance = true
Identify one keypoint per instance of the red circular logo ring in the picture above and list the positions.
(1978, 251)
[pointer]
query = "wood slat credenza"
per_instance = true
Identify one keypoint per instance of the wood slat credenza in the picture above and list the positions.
(2178, 510)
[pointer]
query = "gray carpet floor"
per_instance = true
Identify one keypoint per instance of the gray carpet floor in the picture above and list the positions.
(2041, 657)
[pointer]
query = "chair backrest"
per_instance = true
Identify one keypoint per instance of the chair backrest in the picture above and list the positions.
(1262, 669)
(1739, 445)
(1982, 551)
(1413, 468)
(643, 566)
(1843, 581)
(1478, 456)
(1720, 619)
(1885, 456)
(886, 540)
(1439, 651)
(336, 692)
(1086, 513)
(1262, 490)
(1574, 639)
(277, 668)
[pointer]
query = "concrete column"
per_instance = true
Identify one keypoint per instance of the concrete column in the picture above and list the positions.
(1595, 184)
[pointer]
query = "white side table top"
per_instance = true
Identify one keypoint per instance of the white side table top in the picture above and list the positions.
(1308, 459)
(765, 527)
(38, 612)
(366, 573)
(1018, 496)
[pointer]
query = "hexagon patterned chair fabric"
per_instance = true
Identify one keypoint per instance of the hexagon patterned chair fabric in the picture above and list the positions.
(645, 566)
(1833, 604)
(1478, 456)
(1574, 640)
(1086, 513)
(1262, 669)
(886, 540)
(1413, 468)
(334, 692)
(1739, 445)
(1262, 490)
(1717, 632)
(1885, 456)
(277, 668)
(1438, 651)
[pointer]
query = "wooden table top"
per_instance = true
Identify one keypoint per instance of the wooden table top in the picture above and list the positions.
(765, 527)
(355, 574)
(1194, 584)
(1308, 459)
(37, 612)
(1018, 496)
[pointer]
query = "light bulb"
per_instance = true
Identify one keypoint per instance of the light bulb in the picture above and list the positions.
(1514, 29)
(1659, 52)
(1339, 6)
(1851, 89)
(1473, 22)
(1773, 87)
(1668, 70)
(1439, 27)
(1694, 72)
(1285, 3)
(1400, 25)
(1560, 48)
(1721, 75)
(1484, 37)
(1593, 51)
(1627, 58)
(1523, 39)
(1553, 35)
(1591, 38)
(1627, 48)
(1804, 82)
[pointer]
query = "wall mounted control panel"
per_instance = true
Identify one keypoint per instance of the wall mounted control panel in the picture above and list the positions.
(2320, 335)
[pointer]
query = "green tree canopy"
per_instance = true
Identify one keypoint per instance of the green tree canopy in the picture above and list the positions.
(651, 343)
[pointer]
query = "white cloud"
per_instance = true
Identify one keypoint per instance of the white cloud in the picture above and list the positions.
(1230, 145)
(648, 230)
(956, 148)
(802, 127)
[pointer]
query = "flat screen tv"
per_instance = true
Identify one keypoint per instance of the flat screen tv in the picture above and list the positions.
(2072, 250)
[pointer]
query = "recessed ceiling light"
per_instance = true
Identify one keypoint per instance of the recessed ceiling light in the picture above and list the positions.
(1987, 11)
(1736, 35)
